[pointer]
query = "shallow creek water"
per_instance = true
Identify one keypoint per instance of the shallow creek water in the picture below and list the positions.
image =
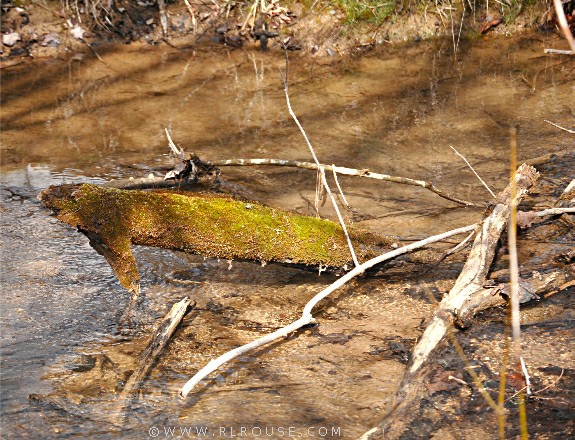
(396, 110)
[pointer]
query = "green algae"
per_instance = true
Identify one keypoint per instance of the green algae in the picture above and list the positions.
(208, 225)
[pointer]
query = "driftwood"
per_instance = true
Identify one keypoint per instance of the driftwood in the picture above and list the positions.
(208, 225)
(148, 358)
(467, 296)
(366, 173)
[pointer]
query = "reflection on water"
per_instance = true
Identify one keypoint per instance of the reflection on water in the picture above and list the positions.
(395, 111)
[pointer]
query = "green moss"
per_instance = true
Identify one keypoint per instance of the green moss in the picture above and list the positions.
(208, 225)
(368, 10)
(511, 10)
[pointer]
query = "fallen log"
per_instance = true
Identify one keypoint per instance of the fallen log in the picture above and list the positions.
(208, 225)
(467, 297)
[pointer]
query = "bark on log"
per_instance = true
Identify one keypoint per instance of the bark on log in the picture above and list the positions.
(465, 298)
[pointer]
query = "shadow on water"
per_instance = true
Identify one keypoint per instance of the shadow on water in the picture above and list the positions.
(395, 111)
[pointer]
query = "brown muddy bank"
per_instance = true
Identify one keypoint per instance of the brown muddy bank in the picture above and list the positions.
(318, 29)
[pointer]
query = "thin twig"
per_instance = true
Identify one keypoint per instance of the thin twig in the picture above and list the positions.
(461, 352)
(474, 172)
(96, 54)
(307, 316)
(460, 245)
(192, 14)
(318, 164)
(512, 243)
(178, 152)
(525, 375)
(559, 51)
(163, 18)
(319, 193)
(339, 187)
(514, 277)
(342, 170)
(458, 380)
(501, 415)
(553, 211)
(551, 384)
(558, 126)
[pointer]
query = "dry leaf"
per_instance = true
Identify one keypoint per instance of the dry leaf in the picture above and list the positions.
(10, 39)
(526, 218)
(78, 32)
(441, 381)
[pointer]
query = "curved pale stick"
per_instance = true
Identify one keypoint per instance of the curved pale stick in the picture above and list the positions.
(307, 316)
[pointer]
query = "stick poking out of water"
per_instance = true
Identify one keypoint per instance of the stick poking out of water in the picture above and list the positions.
(151, 353)
(320, 168)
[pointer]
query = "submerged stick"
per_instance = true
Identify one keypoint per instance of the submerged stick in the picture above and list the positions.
(347, 205)
(307, 316)
(152, 351)
(160, 339)
(465, 298)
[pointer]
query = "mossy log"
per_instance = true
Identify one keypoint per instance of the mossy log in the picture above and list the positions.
(208, 225)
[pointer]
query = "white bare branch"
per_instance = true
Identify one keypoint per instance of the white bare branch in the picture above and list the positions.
(307, 316)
